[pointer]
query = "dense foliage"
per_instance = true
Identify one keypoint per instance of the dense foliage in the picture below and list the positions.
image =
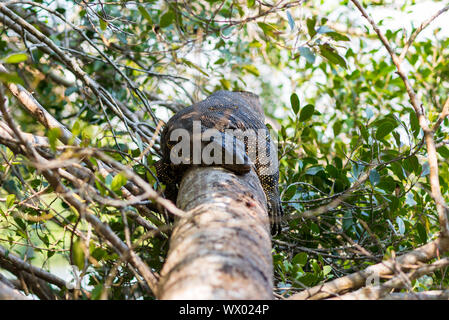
(354, 164)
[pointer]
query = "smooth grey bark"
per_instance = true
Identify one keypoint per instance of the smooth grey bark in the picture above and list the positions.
(222, 248)
(8, 293)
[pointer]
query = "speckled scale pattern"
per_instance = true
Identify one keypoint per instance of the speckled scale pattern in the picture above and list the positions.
(223, 110)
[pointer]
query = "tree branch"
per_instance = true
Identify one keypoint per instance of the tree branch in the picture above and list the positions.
(356, 280)
(442, 208)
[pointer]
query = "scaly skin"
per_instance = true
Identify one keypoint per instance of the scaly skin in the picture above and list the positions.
(224, 110)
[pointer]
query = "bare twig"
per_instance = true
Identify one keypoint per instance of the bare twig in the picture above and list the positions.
(418, 30)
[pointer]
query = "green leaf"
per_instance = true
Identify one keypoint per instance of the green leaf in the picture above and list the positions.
(118, 181)
(314, 170)
(10, 200)
(374, 177)
(364, 132)
(290, 192)
(166, 19)
(87, 133)
(314, 228)
(103, 24)
(10, 78)
(336, 127)
(225, 83)
(414, 123)
(220, 61)
(96, 292)
(332, 171)
(311, 26)
(401, 225)
(307, 53)
(145, 14)
(267, 29)
(250, 3)
(78, 254)
(444, 152)
(347, 220)
(387, 184)
(98, 253)
(53, 135)
(70, 90)
(192, 65)
(411, 164)
(294, 100)
(300, 259)
(251, 69)
(327, 270)
(21, 225)
(99, 185)
(306, 112)
(384, 129)
(332, 55)
(338, 36)
(422, 233)
(398, 170)
(324, 29)
(16, 58)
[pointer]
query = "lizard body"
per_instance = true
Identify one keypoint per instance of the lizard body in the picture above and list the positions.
(222, 111)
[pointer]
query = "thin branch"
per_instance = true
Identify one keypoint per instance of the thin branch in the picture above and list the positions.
(398, 282)
(442, 207)
(10, 257)
(39, 112)
(356, 280)
(418, 30)
(7, 293)
(82, 208)
(444, 113)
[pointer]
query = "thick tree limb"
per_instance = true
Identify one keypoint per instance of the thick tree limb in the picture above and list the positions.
(222, 248)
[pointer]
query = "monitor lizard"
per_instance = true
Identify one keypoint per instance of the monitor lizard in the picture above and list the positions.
(225, 111)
